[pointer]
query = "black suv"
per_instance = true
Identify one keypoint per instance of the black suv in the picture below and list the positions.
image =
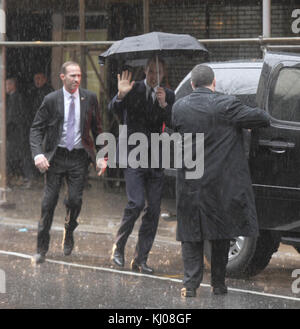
(274, 153)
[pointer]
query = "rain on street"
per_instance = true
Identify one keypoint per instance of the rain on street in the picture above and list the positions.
(240, 32)
(88, 280)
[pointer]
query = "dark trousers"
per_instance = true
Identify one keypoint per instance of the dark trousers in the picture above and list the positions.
(73, 167)
(141, 184)
(192, 254)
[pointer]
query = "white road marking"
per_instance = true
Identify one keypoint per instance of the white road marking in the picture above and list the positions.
(130, 273)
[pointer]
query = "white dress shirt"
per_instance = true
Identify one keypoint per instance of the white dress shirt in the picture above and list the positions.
(67, 101)
(148, 89)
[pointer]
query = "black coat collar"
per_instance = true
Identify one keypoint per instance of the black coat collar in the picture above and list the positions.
(203, 90)
(140, 87)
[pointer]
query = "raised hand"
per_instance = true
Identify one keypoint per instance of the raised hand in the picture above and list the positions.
(124, 84)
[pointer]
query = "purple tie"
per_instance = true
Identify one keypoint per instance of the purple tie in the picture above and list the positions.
(71, 126)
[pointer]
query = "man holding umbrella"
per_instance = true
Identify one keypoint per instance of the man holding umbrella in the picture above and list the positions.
(143, 106)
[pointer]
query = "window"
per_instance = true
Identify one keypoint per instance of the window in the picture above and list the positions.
(241, 82)
(237, 80)
(92, 22)
(185, 89)
(284, 100)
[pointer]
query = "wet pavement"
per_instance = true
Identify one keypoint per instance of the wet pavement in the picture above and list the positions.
(88, 280)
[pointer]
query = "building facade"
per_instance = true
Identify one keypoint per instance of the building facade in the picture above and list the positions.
(115, 19)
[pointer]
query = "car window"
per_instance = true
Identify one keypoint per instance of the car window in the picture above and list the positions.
(248, 99)
(284, 100)
(185, 89)
(230, 81)
(237, 81)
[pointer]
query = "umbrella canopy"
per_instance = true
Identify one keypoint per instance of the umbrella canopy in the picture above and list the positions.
(151, 44)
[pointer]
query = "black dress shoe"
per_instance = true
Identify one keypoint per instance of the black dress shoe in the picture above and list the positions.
(68, 242)
(219, 290)
(118, 257)
(142, 268)
(188, 292)
(38, 259)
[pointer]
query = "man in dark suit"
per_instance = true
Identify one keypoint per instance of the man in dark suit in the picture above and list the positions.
(219, 205)
(62, 147)
(143, 106)
(36, 95)
(39, 91)
(16, 119)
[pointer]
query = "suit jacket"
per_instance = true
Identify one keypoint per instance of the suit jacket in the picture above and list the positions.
(220, 204)
(36, 97)
(134, 112)
(47, 127)
(17, 124)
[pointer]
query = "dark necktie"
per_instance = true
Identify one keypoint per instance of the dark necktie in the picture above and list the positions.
(150, 99)
(70, 139)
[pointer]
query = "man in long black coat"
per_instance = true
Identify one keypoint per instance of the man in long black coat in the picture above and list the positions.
(220, 205)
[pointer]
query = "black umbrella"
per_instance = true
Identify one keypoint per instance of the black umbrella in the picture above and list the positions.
(153, 44)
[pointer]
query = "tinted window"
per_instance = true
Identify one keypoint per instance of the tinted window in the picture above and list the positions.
(237, 81)
(230, 81)
(284, 101)
(92, 22)
(184, 90)
(249, 100)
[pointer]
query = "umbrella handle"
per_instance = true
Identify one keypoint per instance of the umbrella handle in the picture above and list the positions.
(157, 70)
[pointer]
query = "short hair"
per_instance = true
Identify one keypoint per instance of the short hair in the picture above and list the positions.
(40, 73)
(66, 64)
(153, 60)
(202, 75)
(14, 80)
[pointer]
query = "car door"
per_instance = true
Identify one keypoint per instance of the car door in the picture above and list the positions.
(275, 151)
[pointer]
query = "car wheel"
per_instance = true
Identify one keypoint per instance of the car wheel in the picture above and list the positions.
(248, 256)
(241, 252)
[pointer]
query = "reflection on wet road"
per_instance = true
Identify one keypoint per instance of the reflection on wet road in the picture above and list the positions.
(88, 280)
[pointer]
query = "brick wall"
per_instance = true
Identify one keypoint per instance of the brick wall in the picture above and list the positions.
(211, 20)
(183, 17)
(216, 19)
(236, 19)
(281, 18)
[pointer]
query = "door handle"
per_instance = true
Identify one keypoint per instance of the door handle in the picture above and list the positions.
(278, 147)
(277, 151)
